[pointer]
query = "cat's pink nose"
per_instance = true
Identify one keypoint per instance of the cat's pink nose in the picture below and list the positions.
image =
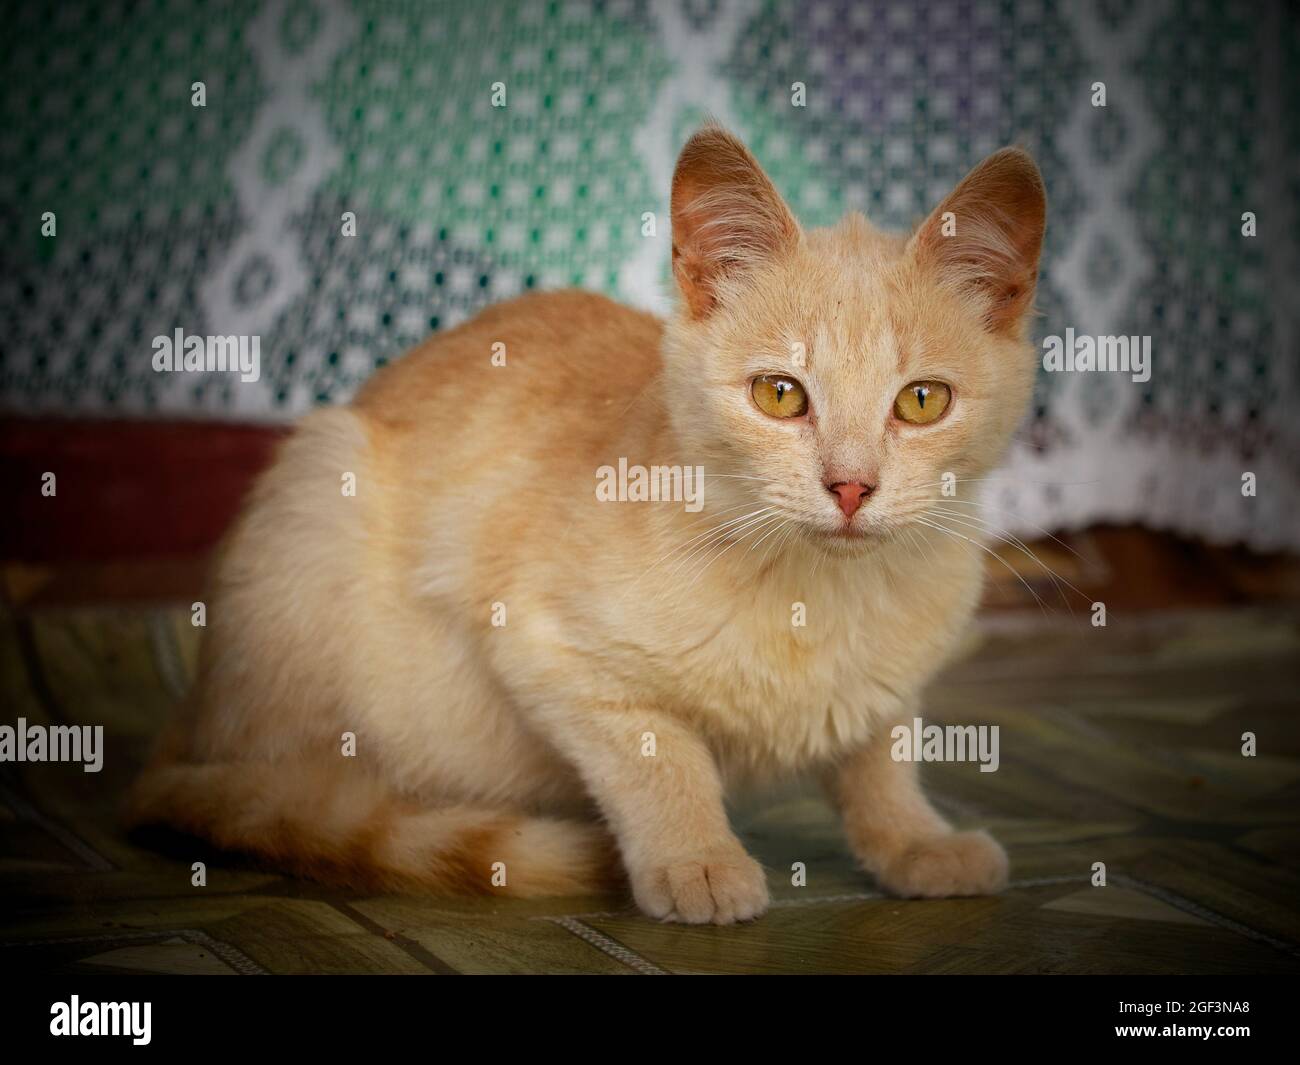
(850, 495)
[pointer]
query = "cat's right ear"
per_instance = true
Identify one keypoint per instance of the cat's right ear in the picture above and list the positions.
(727, 217)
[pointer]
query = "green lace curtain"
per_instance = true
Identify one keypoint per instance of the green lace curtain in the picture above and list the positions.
(230, 218)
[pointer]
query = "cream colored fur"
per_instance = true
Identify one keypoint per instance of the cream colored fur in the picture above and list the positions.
(524, 743)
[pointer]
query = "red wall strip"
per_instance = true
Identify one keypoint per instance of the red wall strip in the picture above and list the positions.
(123, 490)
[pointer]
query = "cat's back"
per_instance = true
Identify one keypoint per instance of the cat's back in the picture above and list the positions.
(487, 434)
(542, 356)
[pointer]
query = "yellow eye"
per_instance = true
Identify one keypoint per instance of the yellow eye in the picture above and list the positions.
(779, 396)
(922, 402)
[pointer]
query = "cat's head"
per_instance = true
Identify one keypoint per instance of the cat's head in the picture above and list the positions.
(837, 375)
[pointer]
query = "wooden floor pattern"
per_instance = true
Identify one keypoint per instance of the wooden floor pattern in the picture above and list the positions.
(1119, 745)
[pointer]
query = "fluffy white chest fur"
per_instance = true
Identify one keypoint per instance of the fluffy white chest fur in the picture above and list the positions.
(780, 672)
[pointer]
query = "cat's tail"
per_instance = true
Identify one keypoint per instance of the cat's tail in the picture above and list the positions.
(341, 827)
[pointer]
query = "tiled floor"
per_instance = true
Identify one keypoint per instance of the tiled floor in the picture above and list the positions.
(1119, 745)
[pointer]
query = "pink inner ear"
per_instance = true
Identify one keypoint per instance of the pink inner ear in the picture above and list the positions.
(999, 210)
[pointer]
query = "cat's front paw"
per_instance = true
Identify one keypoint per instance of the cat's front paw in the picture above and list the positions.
(718, 887)
(959, 863)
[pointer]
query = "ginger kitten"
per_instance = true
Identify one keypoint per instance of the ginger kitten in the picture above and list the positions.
(545, 687)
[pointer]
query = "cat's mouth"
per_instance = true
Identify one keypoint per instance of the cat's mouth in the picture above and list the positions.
(847, 538)
(854, 537)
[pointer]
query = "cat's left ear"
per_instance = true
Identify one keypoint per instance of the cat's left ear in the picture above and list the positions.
(987, 235)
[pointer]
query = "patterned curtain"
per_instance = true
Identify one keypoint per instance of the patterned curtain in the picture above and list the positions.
(229, 218)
